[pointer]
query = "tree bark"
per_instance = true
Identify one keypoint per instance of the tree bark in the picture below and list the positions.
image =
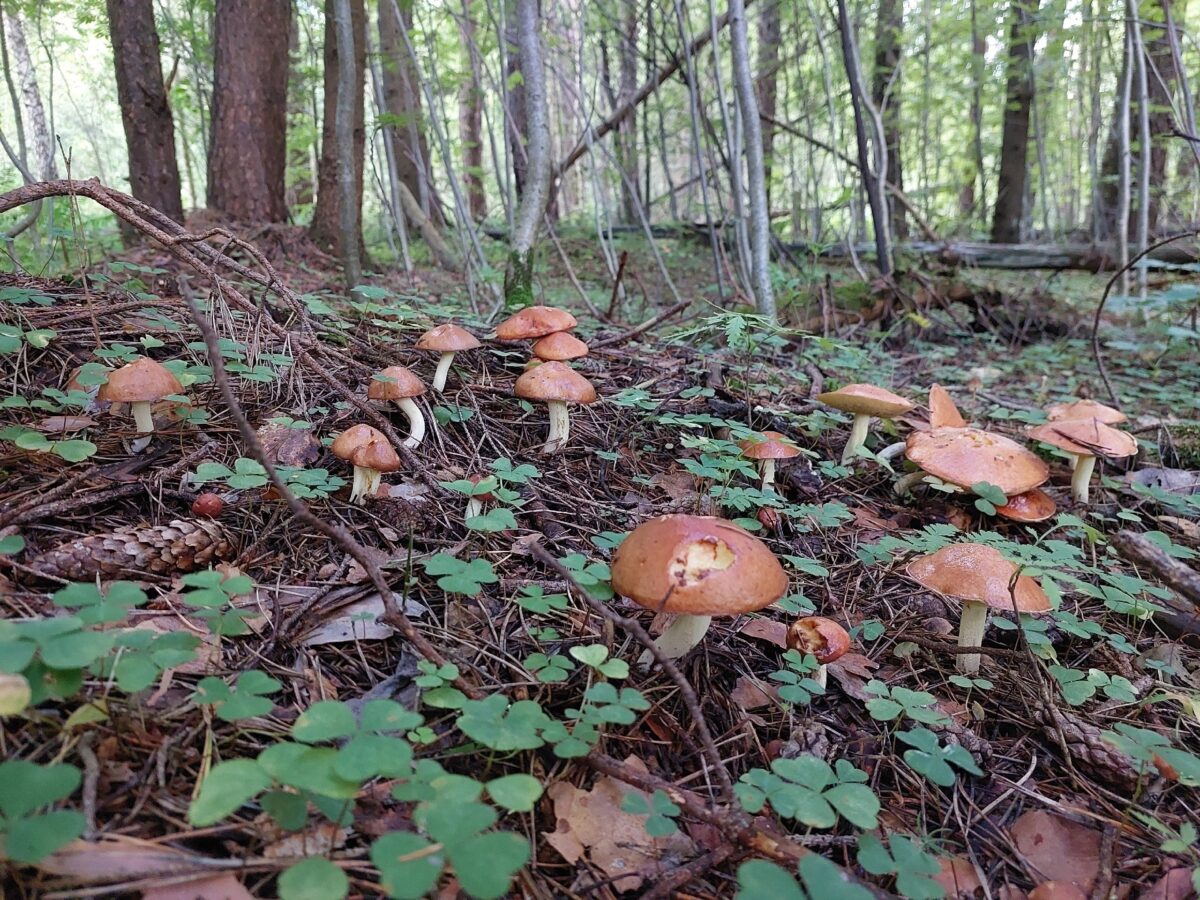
(1009, 212)
(349, 133)
(889, 29)
(40, 140)
(145, 111)
(326, 227)
(768, 78)
(402, 100)
(516, 106)
(248, 155)
(470, 121)
(518, 276)
(626, 137)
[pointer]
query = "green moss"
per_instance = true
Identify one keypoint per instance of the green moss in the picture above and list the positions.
(518, 280)
(1186, 438)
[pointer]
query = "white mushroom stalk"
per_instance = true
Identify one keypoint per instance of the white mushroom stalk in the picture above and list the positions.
(366, 484)
(821, 676)
(416, 422)
(1081, 477)
(560, 426)
(443, 370)
(767, 466)
(474, 508)
(142, 416)
(858, 436)
(971, 626)
(684, 633)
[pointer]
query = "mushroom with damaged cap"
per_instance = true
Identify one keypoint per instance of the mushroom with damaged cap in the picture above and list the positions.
(980, 578)
(695, 567)
(864, 401)
(371, 454)
(556, 384)
(824, 638)
(967, 456)
(447, 340)
(1085, 439)
(764, 449)
(535, 322)
(400, 385)
(140, 383)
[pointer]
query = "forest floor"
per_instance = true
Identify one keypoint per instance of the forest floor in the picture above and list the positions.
(1074, 757)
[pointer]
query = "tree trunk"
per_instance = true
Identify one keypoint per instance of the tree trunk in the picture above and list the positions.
(326, 226)
(768, 75)
(1010, 190)
(248, 156)
(402, 100)
(145, 112)
(518, 276)
(626, 137)
(516, 119)
(760, 215)
(889, 30)
(351, 52)
(970, 199)
(40, 140)
(470, 121)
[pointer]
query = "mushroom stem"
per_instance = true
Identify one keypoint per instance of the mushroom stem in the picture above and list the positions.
(416, 422)
(366, 483)
(680, 636)
(858, 436)
(821, 676)
(891, 451)
(908, 482)
(443, 370)
(768, 474)
(474, 508)
(142, 417)
(970, 634)
(560, 426)
(1082, 478)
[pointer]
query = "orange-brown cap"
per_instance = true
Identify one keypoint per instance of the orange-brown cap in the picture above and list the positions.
(942, 411)
(768, 445)
(346, 444)
(977, 573)
(535, 322)
(559, 346)
(967, 456)
(1031, 506)
(1086, 437)
(140, 381)
(697, 565)
(1086, 409)
(401, 384)
(555, 381)
(377, 455)
(448, 338)
(823, 638)
(866, 399)
(483, 498)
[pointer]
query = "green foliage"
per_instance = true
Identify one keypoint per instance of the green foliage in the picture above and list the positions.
(759, 879)
(1078, 687)
(811, 791)
(927, 757)
(1148, 747)
(893, 703)
(28, 832)
(455, 576)
(315, 878)
(795, 685)
(595, 656)
(658, 809)
(904, 858)
(211, 594)
(246, 699)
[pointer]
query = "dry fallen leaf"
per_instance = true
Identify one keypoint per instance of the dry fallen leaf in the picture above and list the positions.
(767, 630)
(65, 424)
(1057, 849)
(1057, 890)
(289, 446)
(750, 693)
(210, 887)
(315, 841)
(1175, 885)
(117, 858)
(852, 671)
(957, 877)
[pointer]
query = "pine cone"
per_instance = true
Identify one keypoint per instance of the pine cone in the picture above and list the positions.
(1086, 745)
(180, 546)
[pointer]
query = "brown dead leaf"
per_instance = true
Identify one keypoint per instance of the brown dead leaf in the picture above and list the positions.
(210, 887)
(750, 693)
(852, 671)
(289, 446)
(679, 485)
(117, 858)
(65, 424)
(315, 841)
(362, 620)
(957, 877)
(767, 630)
(1057, 849)
(1175, 885)
(864, 518)
(1057, 890)
(593, 823)
(356, 574)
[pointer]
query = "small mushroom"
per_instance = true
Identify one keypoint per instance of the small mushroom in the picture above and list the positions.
(864, 401)
(695, 567)
(1085, 409)
(764, 449)
(447, 340)
(535, 322)
(475, 501)
(1085, 439)
(966, 456)
(823, 638)
(1031, 506)
(980, 578)
(140, 384)
(401, 385)
(556, 384)
(559, 347)
(371, 454)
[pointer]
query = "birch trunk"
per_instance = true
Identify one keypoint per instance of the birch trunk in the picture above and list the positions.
(349, 148)
(40, 140)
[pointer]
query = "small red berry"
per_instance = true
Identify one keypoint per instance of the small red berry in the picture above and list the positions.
(208, 506)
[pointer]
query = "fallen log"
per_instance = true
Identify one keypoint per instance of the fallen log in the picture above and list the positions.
(1184, 615)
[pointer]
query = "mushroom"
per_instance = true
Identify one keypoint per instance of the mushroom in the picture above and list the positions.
(559, 347)
(447, 340)
(1085, 439)
(695, 567)
(475, 501)
(556, 384)
(535, 322)
(966, 456)
(864, 400)
(764, 449)
(1031, 506)
(401, 385)
(942, 411)
(823, 638)
(371, 454)
(140, 383)
(979, 577)
(1085, 409)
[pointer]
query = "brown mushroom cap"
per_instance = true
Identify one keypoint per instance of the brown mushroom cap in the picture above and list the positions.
(866, 399)
(448, 338)
(555, 381)
(697, 565)
(1057, 890)
(967, 456)
(346, 444)
(142, 380)
(768, 445)
(1086, 409)
(942, 411)
(483, 498)
(1086, 437)
(378, 455)
(976, 572)
(401, 385)
(535, 322)
(559, 346)
(823, 638)
(1032, 506)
